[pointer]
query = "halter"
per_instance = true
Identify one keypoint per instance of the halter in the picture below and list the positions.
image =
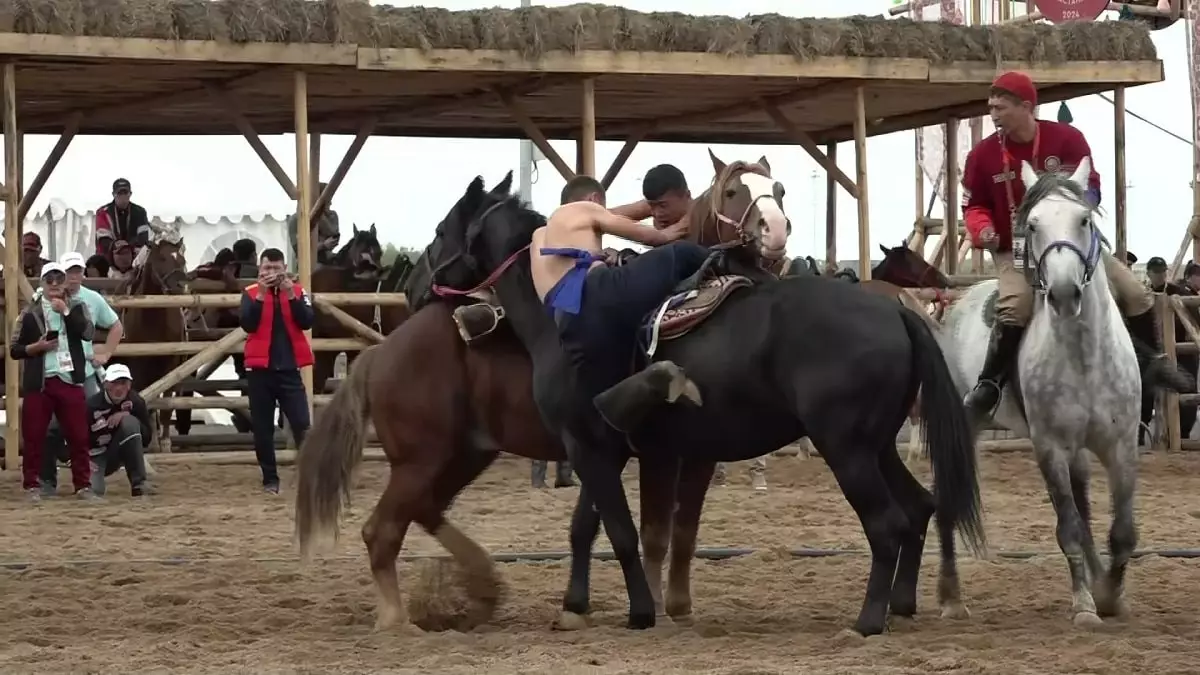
(717, 198)
(485, 285)
(1090, 260)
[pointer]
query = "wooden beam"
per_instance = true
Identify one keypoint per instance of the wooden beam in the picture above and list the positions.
(950, 219)
(143, 49)
(131, 349)
(233, 111)
(619, 161)
(1070, 72)
(1119, 176)
(831, 194)
(12, 263)
(352, 324)
(303, 207)
(587, 128)
(523, 120)
(805, 141)
(860, 170)
(215, 351)
(339, 174)
(314, 163)
(52, 160)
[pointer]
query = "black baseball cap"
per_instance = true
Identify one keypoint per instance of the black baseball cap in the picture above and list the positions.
(1192, 269)
(1130, 258)
(1156, 264)
(121, 184)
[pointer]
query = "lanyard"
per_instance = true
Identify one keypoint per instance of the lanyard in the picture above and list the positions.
(1010, 176)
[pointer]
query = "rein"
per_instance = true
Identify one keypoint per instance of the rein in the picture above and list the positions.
(447, 292)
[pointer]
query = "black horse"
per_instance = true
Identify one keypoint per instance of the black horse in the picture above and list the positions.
(805, 356)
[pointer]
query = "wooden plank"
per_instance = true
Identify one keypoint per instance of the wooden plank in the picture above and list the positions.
(12, 261)
(596, 62)
(1071, 72)
(304, 249)
(99, 48)
(128, 349)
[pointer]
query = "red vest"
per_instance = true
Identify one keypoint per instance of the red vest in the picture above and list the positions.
(258, 343)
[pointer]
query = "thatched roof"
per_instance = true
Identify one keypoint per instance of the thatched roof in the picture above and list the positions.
(578, 27)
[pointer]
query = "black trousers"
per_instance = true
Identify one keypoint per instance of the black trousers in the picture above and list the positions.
(268, 389)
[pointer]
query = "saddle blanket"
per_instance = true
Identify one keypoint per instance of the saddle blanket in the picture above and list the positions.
(684, 311)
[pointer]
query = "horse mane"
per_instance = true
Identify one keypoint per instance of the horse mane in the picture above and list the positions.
(707, 206)
(1050, 183)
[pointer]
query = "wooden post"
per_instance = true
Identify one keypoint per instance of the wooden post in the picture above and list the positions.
(919, 192)
(587, 132)
(12, 267)
(831, 195)
(1166, 323)
(314, 164)
(860, 179)
(303, 206)
(346, 319)
(52, 160)
(214, 352)
(950, 219)
(618, 162)
(1119, 171)
(339, 173)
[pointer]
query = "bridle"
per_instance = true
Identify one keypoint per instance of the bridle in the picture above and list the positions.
(485, 285)
(716, 200)
(1090, 259)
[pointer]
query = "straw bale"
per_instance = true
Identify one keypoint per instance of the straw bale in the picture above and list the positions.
(535, 30)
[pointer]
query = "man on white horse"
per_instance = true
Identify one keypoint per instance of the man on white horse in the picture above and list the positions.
(992, 192)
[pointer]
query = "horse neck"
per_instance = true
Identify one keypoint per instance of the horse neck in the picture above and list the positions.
(703, 226)
(524, 309)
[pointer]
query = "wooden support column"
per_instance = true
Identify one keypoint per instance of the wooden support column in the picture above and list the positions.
(917, 243)
(215, 352)
(314, 163)
(1170, 408)
(831, 194)
(860, 167)
(534, 134)
(1122, 243)
(52, 160)
(339, 174)
(235, 115)
(12, 268)
(587, 129)
(303, 207)
(805, 141)
(622, 157)
(346, 319)
(21, 168)
(950, 219)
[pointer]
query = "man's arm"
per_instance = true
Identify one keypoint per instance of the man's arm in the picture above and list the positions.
(18, 346)
(302, 309)
(1075, 148)
(977, 199)
(141, 223)
(250, 314)
(608, 222)
(639, 210)
(142, 412)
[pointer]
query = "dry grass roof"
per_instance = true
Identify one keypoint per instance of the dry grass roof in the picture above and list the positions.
(534, 30)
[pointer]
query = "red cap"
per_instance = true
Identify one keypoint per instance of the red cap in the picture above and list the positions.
(31, 241)
(1018, 84)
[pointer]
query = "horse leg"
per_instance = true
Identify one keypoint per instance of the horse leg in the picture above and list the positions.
(585, 526)
(659, 476)
(164, 430)
(1054, 461)
(1080, 495)
(694, 480)
(918, 506)
(599, 468)
(914, 439)
(1122, 536)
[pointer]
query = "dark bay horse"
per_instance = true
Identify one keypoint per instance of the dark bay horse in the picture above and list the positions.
(805, 356)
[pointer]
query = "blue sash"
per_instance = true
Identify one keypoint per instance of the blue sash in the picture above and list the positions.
(567, 294)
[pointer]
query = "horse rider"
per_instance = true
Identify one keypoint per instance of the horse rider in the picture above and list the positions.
(31, 254)
(121, 220)
(992, 191)
(325, 233)
(598, 307)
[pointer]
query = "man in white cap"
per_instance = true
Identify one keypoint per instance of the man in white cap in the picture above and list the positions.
(120, 426)
(100, 312)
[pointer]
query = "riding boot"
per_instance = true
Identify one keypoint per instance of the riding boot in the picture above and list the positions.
(562, 474)
(632, 400)
(714, 266)
(1002, 353)
(1157, 371)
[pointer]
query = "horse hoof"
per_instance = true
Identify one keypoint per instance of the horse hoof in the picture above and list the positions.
(955, 610)
(1108, 604)
(640, 621)
(684, 620)
(570, 621)
(1087, 620)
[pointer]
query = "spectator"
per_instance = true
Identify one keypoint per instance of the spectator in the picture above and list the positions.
(245, 254)
(1191, 276)
(1156, 274)
(325, 232)
(121, 220)
(100, 313)
(562, 474)
(120, 427)
(97, 267)
(31, 254)
(122, 260)
(758, 474)
(52, 333)
(223, 264)
(275, 312)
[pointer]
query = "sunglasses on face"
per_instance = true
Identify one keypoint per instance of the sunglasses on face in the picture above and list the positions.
(54, 279)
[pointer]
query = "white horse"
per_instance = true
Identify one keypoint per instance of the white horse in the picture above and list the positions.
(1077, 375)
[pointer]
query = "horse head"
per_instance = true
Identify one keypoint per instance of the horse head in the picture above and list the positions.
(744, 204)
(445, 261)
(905, 268)
(163, 269)
(362, 255)
(1063, 244)
(500, 228)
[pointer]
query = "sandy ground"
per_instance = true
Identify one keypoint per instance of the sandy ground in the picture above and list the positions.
(251, 607)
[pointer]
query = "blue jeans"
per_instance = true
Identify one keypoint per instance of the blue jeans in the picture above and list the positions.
(616, 301)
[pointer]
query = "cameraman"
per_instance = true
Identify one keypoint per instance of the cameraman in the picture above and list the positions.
(275, 312)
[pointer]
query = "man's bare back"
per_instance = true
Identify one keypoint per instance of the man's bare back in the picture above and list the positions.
(580, 226)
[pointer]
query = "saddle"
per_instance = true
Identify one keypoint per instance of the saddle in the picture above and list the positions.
(685, 310)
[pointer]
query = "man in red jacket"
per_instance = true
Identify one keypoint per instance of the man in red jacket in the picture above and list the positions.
(992, 191)
(121, 220)
(275, 313)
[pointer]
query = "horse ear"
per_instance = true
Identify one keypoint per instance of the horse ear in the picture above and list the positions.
(1082, 173)
(762, 161)
(885, 249)
(718, 165)
(504, 187)
(373, 232)
(354, 228)
(1028, 175)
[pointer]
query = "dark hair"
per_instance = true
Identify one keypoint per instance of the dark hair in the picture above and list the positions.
(224, 257)
(662, 179)
(271, 255)
(244, 249)
(579, 187)
(100, 263)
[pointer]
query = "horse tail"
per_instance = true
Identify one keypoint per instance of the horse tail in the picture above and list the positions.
(331, 451)
(949, 438)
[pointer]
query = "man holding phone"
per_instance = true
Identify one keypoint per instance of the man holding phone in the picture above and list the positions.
(52, 332)
(275, 312)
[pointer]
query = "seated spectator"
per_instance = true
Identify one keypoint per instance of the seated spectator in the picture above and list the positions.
(224, 264)
(97, 267)
(120, 426)
(122, 260)
(55, 388)
(31, 254)
(245, 254)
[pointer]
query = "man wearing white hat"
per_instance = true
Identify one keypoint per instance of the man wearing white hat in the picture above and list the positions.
(99, 310)
(120, 426)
